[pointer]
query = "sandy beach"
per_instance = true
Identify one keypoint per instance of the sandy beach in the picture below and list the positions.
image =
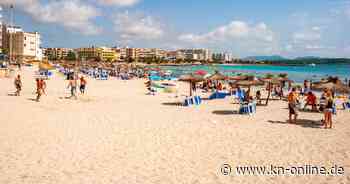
(117, 134)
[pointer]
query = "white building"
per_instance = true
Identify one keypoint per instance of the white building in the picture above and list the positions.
(223, 57)
(25, 45)
(196, 54)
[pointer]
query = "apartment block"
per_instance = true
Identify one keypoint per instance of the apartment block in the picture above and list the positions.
(57, 53)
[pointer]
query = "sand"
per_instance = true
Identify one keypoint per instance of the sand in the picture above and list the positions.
(117, 134)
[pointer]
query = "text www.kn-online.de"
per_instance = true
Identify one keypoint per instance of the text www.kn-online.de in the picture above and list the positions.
(334, 170)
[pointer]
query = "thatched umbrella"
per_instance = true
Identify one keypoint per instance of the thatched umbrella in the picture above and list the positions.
(191, 79)
(249, 83)
(239, 77)
(217, 76)
(273, 81)
(337, 86)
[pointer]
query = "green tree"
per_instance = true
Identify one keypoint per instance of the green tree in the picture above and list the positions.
(269, 76)
(71, 56)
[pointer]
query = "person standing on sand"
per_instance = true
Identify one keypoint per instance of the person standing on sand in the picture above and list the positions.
(18, 85)
(328, 110)
(292, 105)
(82, 85)
(73, 87)
(39, 87)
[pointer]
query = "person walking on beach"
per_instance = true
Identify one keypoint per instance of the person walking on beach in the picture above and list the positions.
(73, 87)
(292, 105)
(43, 84)
(39, 89)
(18, 85)
(82, 85)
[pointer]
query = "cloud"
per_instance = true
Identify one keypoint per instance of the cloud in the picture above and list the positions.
(137, 27)
(72, 14)
(237, 37)
(234, 31)
(118, 2)
(307, 35)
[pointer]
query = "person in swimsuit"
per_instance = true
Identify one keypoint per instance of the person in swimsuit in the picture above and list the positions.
(39, 86)
(43, 86)
(73, 87)
(82, 85)
(328, 110)
(18, 85)
(292, 105)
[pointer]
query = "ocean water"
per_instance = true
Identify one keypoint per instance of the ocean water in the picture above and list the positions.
(296, 73)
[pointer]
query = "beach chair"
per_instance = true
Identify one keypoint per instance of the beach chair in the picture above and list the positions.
(197, 100)
(247, 108)
(188, 101)
(244, 109)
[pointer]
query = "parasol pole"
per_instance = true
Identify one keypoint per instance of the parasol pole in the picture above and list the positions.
(190, 88)
(269, 93)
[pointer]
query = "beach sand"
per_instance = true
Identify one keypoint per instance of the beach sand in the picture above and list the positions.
(117, 134)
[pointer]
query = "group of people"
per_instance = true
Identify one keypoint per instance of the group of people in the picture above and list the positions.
(73, 84)
(326, 105)
(41, 86)
(211, 85)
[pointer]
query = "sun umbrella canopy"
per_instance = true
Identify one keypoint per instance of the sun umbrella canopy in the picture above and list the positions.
(271, 80)
(200, 72)
(274, 80)
(238, 77)
(217, 76)
(284, 79)
(337, 87)
(248, 83)
(190, 78)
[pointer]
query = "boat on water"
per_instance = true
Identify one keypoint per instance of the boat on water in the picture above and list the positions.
(312, 64)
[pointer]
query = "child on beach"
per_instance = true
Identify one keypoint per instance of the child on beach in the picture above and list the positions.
(258, 97)
(292, 105)
(18, 85)
(82, 85)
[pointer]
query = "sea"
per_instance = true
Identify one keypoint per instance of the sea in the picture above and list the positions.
(298, 73)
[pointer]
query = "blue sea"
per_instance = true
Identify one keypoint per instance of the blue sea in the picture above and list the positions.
(296, 73)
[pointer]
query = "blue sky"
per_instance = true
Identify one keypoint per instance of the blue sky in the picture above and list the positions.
(251, 27)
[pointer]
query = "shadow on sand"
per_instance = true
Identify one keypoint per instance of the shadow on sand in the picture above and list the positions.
(301, 122)
(172, 104)
(32, 99)
(224, 112)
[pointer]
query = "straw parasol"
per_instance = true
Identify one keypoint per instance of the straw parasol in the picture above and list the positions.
(273, 81)
(336, 86)
(217, 76)
(191, 79)
(249, 83)
(239, 77)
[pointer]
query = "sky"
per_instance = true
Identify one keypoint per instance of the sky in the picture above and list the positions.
(291, 28)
